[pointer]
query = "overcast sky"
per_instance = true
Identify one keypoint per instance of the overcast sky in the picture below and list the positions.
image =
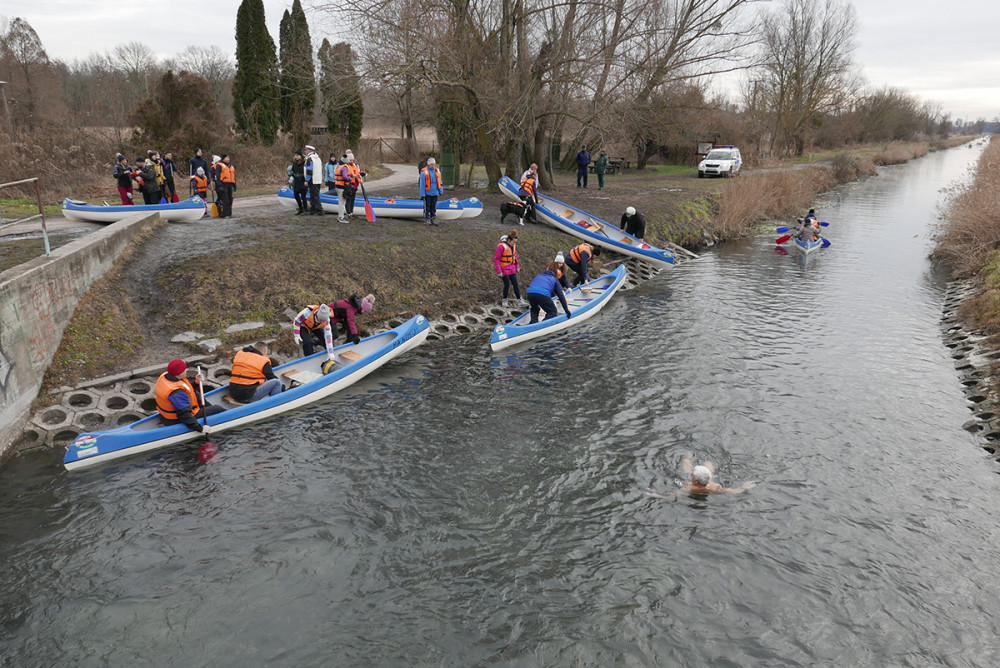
(943, 52)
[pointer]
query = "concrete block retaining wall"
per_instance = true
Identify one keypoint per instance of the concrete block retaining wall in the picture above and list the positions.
(37, 300)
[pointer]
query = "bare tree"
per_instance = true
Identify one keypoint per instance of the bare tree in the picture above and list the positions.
(215, 65)
(25, 64)
(806, 66)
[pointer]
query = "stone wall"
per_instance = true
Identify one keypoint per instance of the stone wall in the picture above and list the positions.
(37, 300)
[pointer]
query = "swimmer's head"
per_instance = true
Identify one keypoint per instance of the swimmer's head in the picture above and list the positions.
(702, 474)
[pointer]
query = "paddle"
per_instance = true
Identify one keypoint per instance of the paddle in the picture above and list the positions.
(826, 242)
(781, 240)
(207, 452)
(369, 211)
(782, 229)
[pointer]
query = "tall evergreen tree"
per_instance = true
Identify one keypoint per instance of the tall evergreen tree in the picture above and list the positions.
(342, 102)
(297, 83)
(255, 87)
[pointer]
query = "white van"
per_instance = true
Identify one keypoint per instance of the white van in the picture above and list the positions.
(721, 161)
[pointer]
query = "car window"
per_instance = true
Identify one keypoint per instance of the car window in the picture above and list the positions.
(719, 155)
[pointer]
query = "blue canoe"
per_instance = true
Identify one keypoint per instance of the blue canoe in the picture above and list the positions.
(591, 229)
(303, 381)
(807, 247)
(178, 212)
(584, 302)
(387, 207)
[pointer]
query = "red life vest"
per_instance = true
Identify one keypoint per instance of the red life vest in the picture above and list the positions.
(427, 178)
(165, 387)
(248, 368)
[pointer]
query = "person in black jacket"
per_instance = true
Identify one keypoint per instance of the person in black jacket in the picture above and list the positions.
(297, 172)
(150, 188)
(633, 223)
(123, 175)
(197, 161)
(169, 170)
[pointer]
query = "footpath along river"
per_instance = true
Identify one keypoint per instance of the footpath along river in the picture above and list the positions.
(464, 508)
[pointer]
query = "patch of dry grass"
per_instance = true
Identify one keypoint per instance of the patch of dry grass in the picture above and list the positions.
(897, 154)
(755, 197)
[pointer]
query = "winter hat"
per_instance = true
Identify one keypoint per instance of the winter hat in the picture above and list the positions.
(367, 303)
(215, 159)
(121, 157)
(630, 211)
(310, 147)
(431, 161)
(140, 159)
(176, 367)
(560, 258)
(597, 251)
(323, 313)
(702, 474)
(503, 237)
(201, 171)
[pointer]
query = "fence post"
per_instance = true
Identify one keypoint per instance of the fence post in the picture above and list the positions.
(41, 212)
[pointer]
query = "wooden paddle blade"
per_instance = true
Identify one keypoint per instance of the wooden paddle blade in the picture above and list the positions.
(369, 212)
(781, 240)
(781, 230)
(826, 243)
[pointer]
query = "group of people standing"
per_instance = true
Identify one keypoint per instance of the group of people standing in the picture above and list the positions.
(583, 160)
(154, 176)
(342, 176)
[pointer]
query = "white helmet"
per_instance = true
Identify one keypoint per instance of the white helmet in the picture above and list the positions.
(630, 211)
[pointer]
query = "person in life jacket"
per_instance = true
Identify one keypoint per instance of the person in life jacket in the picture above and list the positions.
(809, 229)
(528, 192)
(347, 179)
(178, 400)
(307, 326)
(226, 186)
(199, 184)
(430, 189)
(344, 312)
(123, 175)
(578, 260)
(506, 263)
(252, 378)
(545, 286)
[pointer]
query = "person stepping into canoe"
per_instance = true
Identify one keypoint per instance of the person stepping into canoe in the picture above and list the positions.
(545, 286)
(507, 266)
(578, 260)
(178, 401)
(309, 325)
(344, 312)
(633, 223)
(252, 378)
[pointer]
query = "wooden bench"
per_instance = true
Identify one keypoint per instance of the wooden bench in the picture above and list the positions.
(352, 355)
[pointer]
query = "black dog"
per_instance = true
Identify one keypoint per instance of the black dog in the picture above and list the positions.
(516, 208)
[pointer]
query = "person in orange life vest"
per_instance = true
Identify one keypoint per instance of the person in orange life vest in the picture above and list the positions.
(344, 311)
(543, 287)
(226, 186)
(809, 229)
(347, 178)
(578, 260)
(506, 263)
(528, 192)
(178, 400)
(199, 184)
(430, 188)
(307, 326)
(252, 378)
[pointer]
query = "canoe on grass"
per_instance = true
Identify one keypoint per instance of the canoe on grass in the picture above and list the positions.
(590, 228)
(448, 209)
(807, 247)
(584, 301)
(303, 382)
(184, 211)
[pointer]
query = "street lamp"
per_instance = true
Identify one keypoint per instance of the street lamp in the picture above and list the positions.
(6, 109)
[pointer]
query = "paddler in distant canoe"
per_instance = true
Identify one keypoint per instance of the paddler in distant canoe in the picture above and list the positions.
(309, 325)
(178, 401)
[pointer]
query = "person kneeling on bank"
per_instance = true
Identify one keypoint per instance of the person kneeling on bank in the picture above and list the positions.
(578, 260)
(543, 287)
(252, 378)
(307, 326)
(177, 400)
(344, 312)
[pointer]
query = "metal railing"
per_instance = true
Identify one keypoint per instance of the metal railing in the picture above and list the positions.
(40, 214)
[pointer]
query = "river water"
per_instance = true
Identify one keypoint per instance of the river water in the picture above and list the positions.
(465, 508)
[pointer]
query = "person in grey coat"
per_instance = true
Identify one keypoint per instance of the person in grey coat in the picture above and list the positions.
(150, 188)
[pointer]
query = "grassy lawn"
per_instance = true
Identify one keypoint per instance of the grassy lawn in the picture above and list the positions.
(14, 208)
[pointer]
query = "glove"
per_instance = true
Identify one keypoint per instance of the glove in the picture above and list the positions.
(298, 339)
(568, 315)
(330, 357)
(364, 173)
(355, 339)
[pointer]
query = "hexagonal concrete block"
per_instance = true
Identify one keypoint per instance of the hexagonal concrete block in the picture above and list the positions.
(54, 418)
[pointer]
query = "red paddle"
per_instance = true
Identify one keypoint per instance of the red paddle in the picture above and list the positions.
(369, 212)
(207, 452)
(781, 240)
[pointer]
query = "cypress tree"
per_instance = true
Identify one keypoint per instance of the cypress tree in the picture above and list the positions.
(297, 83)
(342, 102)
(255, 87)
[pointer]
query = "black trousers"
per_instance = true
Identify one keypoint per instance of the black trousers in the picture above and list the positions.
(300, 198)
(315, 205)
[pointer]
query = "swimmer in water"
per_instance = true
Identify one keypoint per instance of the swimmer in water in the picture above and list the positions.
(698, 480)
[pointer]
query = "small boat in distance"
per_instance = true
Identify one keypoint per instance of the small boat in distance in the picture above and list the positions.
(590, 228)
(584, 302)
(184, 211)
(807, 247)
(303, 381)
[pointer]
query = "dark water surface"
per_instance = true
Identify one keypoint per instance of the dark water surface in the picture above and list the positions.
(463, 508)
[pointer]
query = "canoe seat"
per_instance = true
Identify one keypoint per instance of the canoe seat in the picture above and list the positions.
(229, 399)
(301, 377)
(352, 355)
(625, 240)
(567, 214)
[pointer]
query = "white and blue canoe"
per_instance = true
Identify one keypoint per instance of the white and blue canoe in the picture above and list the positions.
(184, 211)
(807, 247)
(584, 302)
(387, 207)
(303, 381)
(591, 229)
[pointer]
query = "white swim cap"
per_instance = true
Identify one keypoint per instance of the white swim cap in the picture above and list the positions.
(630, 211)
(702, 474)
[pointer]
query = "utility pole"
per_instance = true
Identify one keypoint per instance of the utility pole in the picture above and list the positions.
(6, 109)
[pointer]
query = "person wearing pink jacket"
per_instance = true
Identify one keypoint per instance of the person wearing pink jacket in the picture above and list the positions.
(505, 261)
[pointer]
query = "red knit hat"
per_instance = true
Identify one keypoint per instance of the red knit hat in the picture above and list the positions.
(176, 367)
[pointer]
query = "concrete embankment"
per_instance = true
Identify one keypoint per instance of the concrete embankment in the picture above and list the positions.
(37, 300)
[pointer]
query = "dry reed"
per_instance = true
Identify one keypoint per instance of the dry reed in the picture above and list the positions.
(755, 197)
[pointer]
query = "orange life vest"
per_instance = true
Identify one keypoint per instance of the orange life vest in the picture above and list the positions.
(165, 387)
(427, 178)
(354, 172)
(509, 255)
(575, 253)
(528, 184)
(310, 322)
(338, 179)
(200, 183)
(227, 173)
(248, 368)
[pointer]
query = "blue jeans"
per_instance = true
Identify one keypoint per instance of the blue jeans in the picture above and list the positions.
(581, 173)
(268, 388)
